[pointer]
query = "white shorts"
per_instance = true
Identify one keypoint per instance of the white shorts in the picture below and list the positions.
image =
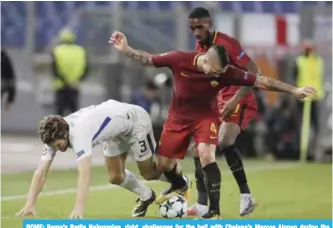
(141, 141)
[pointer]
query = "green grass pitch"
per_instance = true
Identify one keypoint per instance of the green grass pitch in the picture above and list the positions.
(283, 190)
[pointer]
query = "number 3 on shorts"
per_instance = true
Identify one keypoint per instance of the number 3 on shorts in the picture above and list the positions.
(213, 128)
(143, 146)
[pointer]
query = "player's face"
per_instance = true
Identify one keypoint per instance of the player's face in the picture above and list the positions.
(212, 65)
(200, 28)
(59, 144)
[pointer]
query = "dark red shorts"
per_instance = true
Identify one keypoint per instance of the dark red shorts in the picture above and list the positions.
(176, 136)
(244, 113)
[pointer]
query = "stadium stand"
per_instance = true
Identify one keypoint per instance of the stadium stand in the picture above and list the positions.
(52, 16)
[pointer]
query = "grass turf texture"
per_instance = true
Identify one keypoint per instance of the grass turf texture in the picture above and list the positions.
(282, 190)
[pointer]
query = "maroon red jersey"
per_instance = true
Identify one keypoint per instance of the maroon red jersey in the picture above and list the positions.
(237, 57)
(193, 92)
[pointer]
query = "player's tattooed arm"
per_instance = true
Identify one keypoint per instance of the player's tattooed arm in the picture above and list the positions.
(141, 56)
(271, 84)
(119, 41)
(252, 68)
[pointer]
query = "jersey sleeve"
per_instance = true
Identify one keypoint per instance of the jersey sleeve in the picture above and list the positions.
(48, 153)
(238, 77)
(238, 55)
(168, 59)
(81, 144)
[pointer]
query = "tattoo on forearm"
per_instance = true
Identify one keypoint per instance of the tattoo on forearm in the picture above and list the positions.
(272, 84)
(142, 57)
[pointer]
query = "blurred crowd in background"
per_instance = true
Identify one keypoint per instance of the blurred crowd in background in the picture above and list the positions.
(41, 39)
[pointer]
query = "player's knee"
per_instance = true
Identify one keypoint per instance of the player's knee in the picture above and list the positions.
(206, 159)
(165, 164)
(116, 178)
(226, 142)
(206, 153)
(229, 135)
(164, 167)
(150, 175)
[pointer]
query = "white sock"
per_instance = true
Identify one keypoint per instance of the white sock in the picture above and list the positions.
(132, 184)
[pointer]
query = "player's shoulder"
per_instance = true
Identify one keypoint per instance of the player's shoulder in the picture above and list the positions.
(224, 38)
(181, 57)
(81, 124)
(187, 58)
(222, 35)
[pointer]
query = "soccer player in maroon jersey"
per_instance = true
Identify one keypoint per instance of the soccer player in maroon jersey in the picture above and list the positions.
(200, 23)
(197, 80)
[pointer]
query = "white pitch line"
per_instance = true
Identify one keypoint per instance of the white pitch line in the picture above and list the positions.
(110, 186)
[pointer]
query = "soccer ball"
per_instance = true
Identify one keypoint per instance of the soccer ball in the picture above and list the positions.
(175, 207)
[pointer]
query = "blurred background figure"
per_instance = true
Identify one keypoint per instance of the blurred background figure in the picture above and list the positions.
(69, 68)
(8, 80)
(308, 71)
(146, 96)
(281, 136)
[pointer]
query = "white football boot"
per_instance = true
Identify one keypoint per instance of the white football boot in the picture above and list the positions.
(247, 204)
(197, 210)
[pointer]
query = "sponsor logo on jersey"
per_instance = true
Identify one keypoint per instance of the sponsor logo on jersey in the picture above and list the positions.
(241, 55)
(246, 75)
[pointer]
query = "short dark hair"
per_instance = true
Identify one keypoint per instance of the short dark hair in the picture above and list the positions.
(222, 54)
(53, 127)
(199, 12)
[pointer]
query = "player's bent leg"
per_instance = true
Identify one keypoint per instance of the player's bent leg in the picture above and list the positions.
(115, 162)
(149, 169)
(179, 184)
(173, 146)
(116, 169)
(201, 206)
(213, 179)
(229, 132)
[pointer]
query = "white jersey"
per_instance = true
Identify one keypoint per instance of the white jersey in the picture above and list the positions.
(109, 121)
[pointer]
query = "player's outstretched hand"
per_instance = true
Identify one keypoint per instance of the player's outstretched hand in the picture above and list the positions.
(77, 213)
(303, 92)
(119, 41)
(27, 211)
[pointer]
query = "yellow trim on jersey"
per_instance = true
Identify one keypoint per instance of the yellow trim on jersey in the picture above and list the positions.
(215, 36)
(195, 59)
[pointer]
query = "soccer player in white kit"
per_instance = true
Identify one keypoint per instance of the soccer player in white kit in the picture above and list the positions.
(122, 128)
